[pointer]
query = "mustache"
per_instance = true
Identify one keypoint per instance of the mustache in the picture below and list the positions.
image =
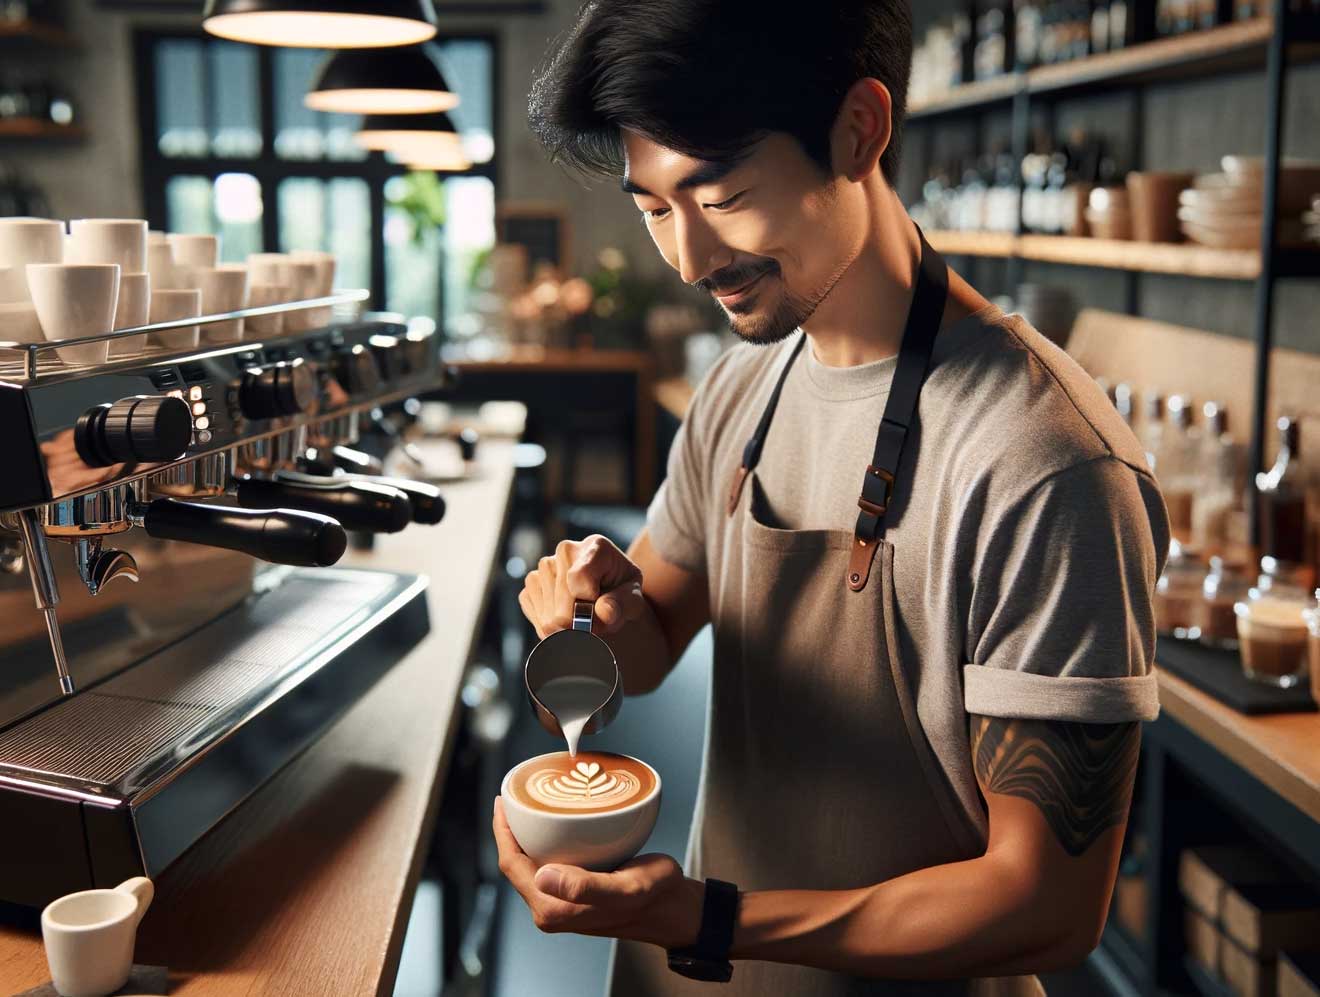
(731, 278)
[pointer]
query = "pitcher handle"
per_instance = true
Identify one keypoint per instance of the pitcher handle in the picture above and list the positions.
(140, 889)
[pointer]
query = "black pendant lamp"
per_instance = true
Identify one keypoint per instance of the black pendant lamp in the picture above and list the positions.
(395, 81)
(321, 23)
(412, 137)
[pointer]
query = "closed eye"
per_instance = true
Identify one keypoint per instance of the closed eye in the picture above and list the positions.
(727, 202)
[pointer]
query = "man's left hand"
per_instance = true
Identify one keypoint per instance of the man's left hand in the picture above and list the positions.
(647, 899)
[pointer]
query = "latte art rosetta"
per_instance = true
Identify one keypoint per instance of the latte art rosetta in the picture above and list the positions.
(585, 787)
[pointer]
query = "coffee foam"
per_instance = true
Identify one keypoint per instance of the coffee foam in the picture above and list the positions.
(591, 783)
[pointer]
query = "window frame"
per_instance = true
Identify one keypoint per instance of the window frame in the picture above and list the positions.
(268, 168)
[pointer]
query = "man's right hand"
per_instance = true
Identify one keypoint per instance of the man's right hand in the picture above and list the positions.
(593, 569)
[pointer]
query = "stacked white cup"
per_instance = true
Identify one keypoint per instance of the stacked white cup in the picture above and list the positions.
(122, 242)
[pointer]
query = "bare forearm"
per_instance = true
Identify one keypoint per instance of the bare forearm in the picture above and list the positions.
(966, 919)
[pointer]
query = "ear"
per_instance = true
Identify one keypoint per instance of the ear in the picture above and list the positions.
(862, 129)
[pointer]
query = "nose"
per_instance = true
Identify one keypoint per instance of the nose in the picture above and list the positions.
(698, 251)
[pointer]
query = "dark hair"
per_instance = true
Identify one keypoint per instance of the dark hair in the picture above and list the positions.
(709, 78)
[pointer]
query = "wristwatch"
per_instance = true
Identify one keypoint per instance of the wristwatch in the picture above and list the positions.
(708, 959)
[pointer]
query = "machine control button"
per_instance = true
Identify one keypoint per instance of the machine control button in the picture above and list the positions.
(141, 429)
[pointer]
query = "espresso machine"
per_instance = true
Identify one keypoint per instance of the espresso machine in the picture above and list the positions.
(172, 628)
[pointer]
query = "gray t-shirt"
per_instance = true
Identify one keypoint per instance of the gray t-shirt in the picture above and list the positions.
(1028, 532)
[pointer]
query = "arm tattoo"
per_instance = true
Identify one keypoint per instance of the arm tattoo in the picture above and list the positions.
(1080, 776)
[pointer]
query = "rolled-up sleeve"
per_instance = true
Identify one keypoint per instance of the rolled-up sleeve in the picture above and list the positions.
(1061, 624)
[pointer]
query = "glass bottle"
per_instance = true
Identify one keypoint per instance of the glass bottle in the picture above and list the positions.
(1124, 402)
(1281, 502)
(1152, 430)
(1177, 469)
(1177, 602)
(1312, 615)
(1217, 502)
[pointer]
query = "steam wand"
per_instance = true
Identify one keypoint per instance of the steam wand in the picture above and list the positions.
(45, 589)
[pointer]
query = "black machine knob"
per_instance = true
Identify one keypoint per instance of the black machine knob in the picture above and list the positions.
(356, 371)
(144, 429)
(282, 536)
(280, 389)
(356, 504)
(467, 443)
(389, 356)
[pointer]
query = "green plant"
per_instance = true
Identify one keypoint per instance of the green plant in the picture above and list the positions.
(423, 201)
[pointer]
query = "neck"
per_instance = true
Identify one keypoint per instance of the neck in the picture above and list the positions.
(863, 317)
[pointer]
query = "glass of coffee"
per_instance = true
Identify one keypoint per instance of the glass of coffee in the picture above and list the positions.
(595, 810)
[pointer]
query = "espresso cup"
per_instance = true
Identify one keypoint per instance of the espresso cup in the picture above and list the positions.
(74, 300)
(168, 305)
(13, 285)
(260, 295)
(551, 810)
(304, 276)
(109, 240)
(89, 937)
(133, 310)
(322, 285)
(224, 289)
(195, 250)
(30, 240)
(270, 268)
(19, 323)
(160, 264)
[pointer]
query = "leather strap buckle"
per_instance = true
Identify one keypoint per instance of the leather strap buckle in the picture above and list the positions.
(877, 509)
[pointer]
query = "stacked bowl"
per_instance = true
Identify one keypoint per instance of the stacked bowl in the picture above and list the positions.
(1224, 210)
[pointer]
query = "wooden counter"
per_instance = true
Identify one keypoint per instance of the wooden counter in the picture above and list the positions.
(308, 886)
(1282, 750)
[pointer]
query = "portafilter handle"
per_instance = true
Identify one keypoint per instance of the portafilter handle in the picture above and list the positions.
(339, 458)
(356, 504)
(281, 536)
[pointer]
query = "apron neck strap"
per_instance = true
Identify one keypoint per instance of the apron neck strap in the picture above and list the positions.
(924, 318)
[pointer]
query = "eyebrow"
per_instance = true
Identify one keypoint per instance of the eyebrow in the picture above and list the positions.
(706, 173)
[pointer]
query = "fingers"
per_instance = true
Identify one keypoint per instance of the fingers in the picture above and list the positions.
(514, 862)
(627, 888)
(594, 570)
(619, 606)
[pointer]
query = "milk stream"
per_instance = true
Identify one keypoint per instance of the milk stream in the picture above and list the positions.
(573, 699)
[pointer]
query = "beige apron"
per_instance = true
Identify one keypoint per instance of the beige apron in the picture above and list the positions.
(817, 773)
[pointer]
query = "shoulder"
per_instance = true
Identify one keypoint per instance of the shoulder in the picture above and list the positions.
(1014, 411)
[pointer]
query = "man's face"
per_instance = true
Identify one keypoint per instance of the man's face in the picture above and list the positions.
(768, 238)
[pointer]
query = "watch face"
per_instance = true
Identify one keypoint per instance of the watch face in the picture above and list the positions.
(701, 969)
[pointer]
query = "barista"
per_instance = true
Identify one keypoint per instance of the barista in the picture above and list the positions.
(925, 542)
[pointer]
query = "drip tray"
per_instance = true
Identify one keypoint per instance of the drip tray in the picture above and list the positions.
(150, 759)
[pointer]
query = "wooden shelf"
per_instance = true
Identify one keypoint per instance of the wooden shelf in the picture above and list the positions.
(1231, 46)
(36, 32)
(1185, 259)
(34, 128)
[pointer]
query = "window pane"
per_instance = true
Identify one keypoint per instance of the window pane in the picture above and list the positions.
(180, 100)
(333, 215)
(231, 208)
(237, 110)
(469, 67)
(301, 133)
(424, 261)
(188, 205)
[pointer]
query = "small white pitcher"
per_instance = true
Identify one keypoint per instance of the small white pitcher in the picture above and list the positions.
(90, 936)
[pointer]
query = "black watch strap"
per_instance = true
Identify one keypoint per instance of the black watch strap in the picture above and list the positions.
(708, 958)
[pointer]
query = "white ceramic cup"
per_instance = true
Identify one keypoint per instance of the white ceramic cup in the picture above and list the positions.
(19, 323)
(160, 264)
(324, 284)
(30, 240)
(109, 240)
(265, 325)
(133, 310)
(168, 305)
(270, 268)
(155, 237)
(303, 276)
(598, 841)
(195, 250)
(75, 300)
(90, 937)
(13, 285)
(224, 289)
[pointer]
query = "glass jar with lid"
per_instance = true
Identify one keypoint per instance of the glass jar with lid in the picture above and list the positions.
(1224, 585)
(1178, 594)
(1272, 626)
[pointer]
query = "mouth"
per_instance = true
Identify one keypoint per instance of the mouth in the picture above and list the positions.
(733, 297)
